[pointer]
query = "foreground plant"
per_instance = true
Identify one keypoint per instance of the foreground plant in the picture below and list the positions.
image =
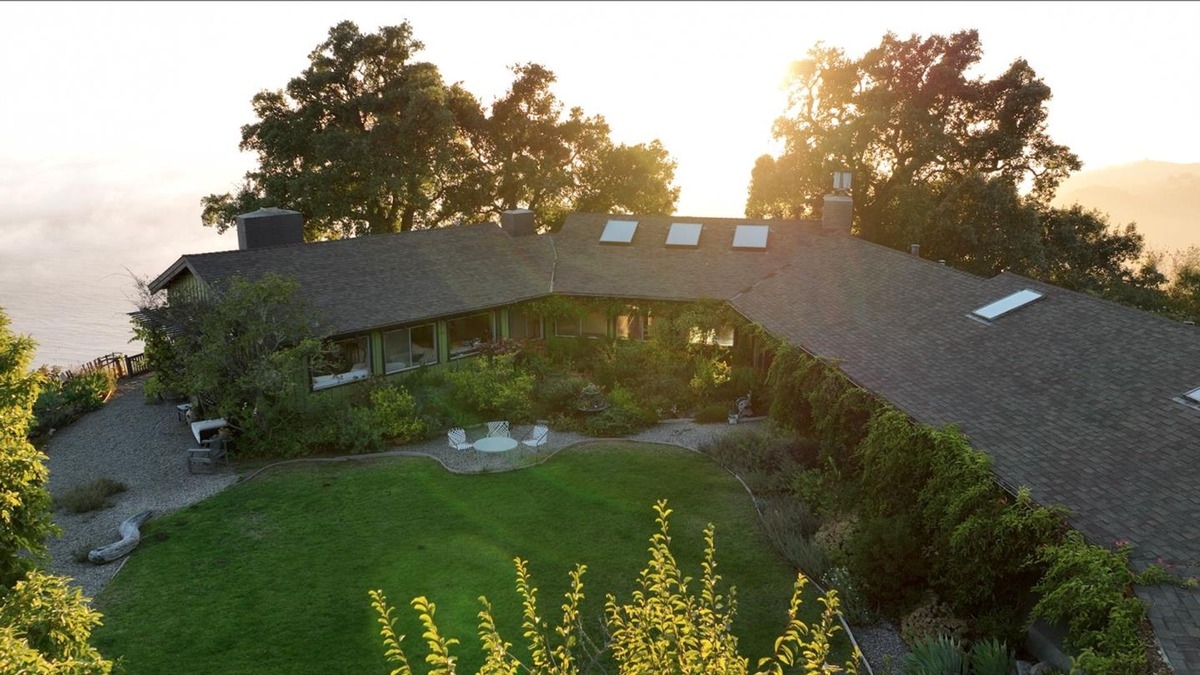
(663, 627)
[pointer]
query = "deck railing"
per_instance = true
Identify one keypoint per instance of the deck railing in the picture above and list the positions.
(120, 365)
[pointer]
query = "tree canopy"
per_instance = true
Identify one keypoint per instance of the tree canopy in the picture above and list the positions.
(368, 140)
(961, 164)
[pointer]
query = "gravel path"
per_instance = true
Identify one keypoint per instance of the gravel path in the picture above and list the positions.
(141, 445)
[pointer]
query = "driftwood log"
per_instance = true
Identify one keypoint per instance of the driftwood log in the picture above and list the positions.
(130, 536)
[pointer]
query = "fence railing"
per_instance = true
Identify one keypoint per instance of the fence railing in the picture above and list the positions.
(120, 365)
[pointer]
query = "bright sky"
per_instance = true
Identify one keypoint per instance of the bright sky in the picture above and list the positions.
(117, 117)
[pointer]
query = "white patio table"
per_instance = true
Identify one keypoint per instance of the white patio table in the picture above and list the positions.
(495, 444)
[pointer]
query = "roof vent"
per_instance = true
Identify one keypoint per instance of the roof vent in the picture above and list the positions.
(269, 227)
(914, 249)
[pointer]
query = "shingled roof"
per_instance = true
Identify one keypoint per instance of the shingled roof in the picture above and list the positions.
(647, 268)
(367, 283)
(1073, 396)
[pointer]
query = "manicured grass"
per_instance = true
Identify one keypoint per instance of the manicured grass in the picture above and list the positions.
(271, 576)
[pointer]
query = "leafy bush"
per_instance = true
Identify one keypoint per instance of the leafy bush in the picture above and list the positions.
(1087, 588)
(557, 393)
(91, 496)
(494, 387)
(931, 620)
(64, 398)
(622, 417)
(762, 459)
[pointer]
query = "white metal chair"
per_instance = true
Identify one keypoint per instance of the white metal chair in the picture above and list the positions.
(538, 435)
(498, 429)
(458, 439)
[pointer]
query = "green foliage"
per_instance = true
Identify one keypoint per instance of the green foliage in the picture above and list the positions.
(44, 625)
(790, 525)
(63, 398)
(390, 416)
(44, 628)
(944, 655)
(1087, 589)
(765, 461)
(854, 604)
(493, 387)
(24, 500)
(365, 106)
(939, 654)
(664, 627)
(712, 413)
(835, 536)
(623, 416)
(90, 496)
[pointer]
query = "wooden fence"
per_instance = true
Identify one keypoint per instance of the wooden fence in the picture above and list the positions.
(120, 365)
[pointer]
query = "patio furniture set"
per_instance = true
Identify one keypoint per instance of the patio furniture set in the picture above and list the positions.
(498, 438)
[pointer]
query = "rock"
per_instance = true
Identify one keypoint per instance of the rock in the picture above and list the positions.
(130, 536)
(1024, 668)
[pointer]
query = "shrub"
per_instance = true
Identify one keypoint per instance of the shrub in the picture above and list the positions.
(936, 655)
(931, 620)
(790, 525)
(494, 387)
(711, 413)
(64, 398)
(835, 535)
(1087, 588)
(91, 496)
(889, 561)
(854, 604)
(396, 414)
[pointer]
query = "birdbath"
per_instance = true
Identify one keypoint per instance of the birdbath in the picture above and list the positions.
(591, 399)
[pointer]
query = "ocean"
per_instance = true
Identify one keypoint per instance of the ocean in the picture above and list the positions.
(67, 272)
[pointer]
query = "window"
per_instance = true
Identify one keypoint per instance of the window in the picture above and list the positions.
(722, 336)
(348, 360)
(751, 236)
(467, 333)
(684, 234)
(592, 324)
(595, 324)
(1006, 304)
(408, 348)
(618, 232)
(633, 326)
(566, 326)
(523, 325)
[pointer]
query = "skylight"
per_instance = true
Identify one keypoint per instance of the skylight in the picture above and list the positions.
(1193, 395)
(684, 234)
(618, 232)
(750, 236)
(1006, 304)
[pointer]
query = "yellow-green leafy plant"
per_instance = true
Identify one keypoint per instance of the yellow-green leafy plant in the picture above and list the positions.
(664, 627)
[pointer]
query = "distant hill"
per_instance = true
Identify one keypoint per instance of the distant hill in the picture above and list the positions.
(1162, 198)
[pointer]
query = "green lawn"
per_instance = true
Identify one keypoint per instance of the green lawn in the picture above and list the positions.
(271, 576)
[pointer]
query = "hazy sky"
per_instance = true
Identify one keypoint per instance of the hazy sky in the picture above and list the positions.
(116, 118)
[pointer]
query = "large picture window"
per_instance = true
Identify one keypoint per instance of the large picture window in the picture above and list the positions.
(523, 325)
(633, 327)
(349, 360)
(468, 333)
(408, 348)
(566, 326)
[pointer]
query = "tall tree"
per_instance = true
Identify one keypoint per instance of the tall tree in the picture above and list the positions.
(907, 114)
(367, 141)
(44, 624)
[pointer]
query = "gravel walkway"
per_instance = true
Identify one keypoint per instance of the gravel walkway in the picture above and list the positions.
(141, 445)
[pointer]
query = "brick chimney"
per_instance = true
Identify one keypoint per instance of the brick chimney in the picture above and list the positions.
(269, 227)
(517, 222)
(838, 211)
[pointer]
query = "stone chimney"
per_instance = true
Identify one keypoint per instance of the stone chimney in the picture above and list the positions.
(517, 222)
(838, 211)
(269, 227)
